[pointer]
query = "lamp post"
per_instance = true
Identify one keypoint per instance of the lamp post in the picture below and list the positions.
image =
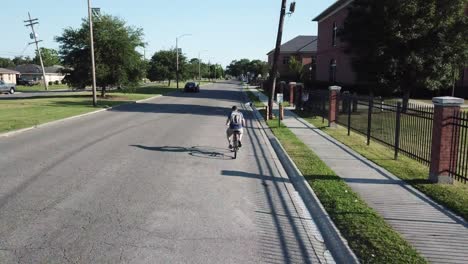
(177, 57)
(199, 64)
(91, 40)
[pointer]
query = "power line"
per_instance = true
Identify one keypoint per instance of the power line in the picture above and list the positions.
(30, 23)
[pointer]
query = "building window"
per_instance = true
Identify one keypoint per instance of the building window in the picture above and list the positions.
(332, 78)
(286, 60)
(334, 35)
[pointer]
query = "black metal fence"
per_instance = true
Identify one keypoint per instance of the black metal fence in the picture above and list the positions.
(407, 131)
(459, 147)
(318, 104)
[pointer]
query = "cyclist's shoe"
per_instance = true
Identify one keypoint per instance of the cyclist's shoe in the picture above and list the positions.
(240, 144)
(230, 146)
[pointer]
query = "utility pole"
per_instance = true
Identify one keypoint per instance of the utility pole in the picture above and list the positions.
(91, 40)
(274, 68)
(30, 23)
(199, 64)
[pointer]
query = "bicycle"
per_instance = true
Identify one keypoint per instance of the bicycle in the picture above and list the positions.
(235, 143)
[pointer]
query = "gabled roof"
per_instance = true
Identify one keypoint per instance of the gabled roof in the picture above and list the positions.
(299, 44)
(33, 68)
(337, 5)
(2, 70)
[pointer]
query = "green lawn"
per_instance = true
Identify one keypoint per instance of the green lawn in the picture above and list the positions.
(454, 197)
(22, 113)
(40, 88)
(369, 236)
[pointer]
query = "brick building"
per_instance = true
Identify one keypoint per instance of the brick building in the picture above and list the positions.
(333, 64)
(303, 48)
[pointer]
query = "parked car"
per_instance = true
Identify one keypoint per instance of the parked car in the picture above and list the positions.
(192, 87)
(7, 87)
(26, 82)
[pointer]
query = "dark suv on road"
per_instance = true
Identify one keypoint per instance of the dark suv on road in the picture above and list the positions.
(26, 82)
(191, 87)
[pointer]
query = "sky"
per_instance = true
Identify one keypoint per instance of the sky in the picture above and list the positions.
(224, 30)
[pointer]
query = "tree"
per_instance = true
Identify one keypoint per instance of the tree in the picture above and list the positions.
(20, 60)
(117, 61)
(50, 57)
(6, 63)
(258, 67)
(191, 70)
(399, 45)
(244, 66)
(296, 68)
(163, 66)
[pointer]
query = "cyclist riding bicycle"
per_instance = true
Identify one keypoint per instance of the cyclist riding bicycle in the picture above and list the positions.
(236, 122)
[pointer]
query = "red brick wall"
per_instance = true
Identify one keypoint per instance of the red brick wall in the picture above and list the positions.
(326, 51)
(284, 68)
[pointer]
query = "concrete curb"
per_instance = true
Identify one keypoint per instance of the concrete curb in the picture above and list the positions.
(335, 242)
(15, 132)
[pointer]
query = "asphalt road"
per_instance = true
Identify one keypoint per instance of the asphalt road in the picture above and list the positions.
(6, 96)
(151, 182)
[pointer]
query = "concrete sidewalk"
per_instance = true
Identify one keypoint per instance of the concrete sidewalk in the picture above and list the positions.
(437, 234)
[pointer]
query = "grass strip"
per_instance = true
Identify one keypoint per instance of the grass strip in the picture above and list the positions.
(254, 99)
(368, 235)
(41, 88)
(454, 197)
(17, 113)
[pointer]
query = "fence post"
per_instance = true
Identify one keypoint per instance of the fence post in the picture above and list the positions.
(441, 152)
(350, 99)
(292, 91)
(333, 105)
(369, 119)
(397, 129)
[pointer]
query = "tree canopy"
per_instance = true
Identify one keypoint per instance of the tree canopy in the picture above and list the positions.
(6, 63)
(162, 65)
(115, 43)
(50, 57)
(402, 44)
(244, 66)
(20, 60)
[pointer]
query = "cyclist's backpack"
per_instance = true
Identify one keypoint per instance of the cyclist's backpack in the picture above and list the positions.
(236, 118)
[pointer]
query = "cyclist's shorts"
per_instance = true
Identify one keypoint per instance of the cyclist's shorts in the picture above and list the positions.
(230, 131)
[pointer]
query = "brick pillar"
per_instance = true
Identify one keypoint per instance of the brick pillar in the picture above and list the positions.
(281, 112)
(292, 90)
(444, 109)
(299, 91)
(333, 105)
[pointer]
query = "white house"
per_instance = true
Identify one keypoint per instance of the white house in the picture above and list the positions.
(34, 72)
(8, 76)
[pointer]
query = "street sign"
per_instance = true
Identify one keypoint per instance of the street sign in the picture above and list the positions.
(96, 11)
(279, 98)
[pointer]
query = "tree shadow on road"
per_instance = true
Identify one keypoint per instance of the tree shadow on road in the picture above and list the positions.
(196, 151)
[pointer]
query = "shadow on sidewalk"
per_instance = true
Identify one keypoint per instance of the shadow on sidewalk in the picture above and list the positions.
(390, 178)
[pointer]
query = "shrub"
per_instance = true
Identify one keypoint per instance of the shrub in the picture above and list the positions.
(57, 82)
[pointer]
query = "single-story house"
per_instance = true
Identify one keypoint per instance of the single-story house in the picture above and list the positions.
(333, 64)
(34, 72)
(303, 48)
(8, 76)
